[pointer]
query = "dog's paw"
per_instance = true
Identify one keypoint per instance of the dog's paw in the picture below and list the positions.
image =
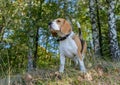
(61, 69)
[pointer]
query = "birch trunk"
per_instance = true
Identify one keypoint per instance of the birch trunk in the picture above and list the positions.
(114, 48)
(30, 55)
(95, 31)
(30, 42)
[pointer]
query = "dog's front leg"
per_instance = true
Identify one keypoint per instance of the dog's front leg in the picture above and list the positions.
(62, 63)
(82, 66)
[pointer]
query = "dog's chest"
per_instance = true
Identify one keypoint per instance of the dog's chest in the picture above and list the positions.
(68, 47)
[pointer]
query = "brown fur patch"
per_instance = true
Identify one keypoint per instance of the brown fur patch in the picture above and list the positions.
(78, 43)
(64, 25)
(54, 34)
(84, 47)
(66, 28)
(81, 46)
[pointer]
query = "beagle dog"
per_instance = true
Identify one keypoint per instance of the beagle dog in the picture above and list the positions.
(70, 45)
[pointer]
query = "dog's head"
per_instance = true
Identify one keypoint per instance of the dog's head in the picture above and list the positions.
(60, 27)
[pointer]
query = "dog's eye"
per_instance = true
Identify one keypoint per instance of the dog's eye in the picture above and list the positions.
(58, 21)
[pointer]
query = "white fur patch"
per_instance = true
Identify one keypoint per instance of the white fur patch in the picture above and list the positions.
(55, 26)
(68, 48)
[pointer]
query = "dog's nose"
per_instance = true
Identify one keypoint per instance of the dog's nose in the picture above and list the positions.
(49, 23)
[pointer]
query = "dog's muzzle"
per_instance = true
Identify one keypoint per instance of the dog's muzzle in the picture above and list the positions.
(52, 31)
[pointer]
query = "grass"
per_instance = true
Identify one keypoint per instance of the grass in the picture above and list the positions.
(99, 72)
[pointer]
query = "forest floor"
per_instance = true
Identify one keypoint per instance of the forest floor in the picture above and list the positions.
(99, 72)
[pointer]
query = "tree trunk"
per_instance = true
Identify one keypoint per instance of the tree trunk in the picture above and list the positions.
(114, 48)
(1, 33)
(95, 31)
(30, 55)
(99, 27)
(30, 43)
(37, 35)
(36, 47)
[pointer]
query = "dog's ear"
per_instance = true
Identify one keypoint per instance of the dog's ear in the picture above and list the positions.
(66, 27)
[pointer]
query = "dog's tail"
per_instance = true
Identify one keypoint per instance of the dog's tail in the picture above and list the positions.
(79, 29)
(81, 39)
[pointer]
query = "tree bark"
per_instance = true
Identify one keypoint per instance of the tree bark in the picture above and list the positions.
(95, 31)
(37, 35)
(114, 48)
(99, 27)
(30, 54)
(36, 48)
(30, 43)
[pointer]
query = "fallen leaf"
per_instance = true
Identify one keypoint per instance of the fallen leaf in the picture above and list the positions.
(80, 78)
(88, 76)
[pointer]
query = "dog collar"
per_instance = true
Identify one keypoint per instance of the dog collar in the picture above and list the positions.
(63, 38)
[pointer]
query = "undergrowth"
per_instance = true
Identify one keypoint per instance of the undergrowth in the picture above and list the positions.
(99, 72)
